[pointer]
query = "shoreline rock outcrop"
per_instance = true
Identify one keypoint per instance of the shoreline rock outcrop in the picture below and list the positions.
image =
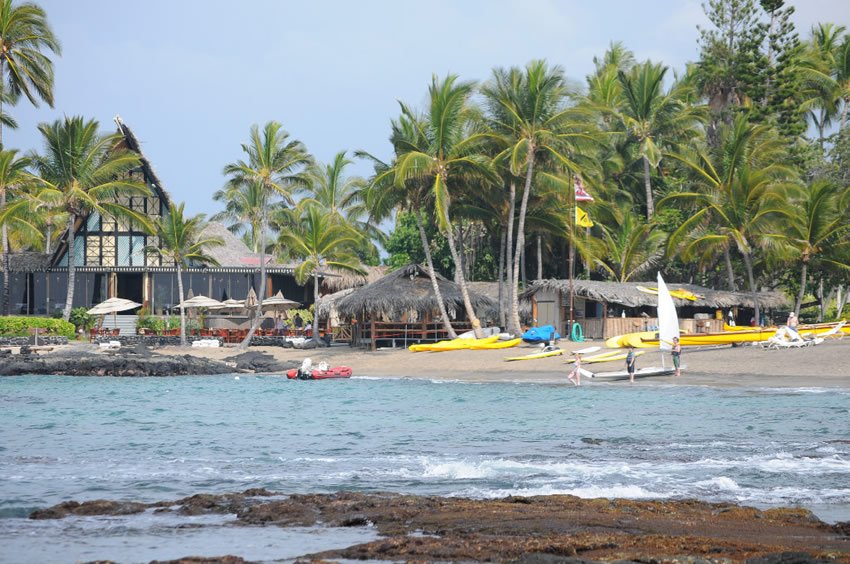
(556, 528)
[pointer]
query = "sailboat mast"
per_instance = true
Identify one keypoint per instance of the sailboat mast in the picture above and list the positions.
(571, 229)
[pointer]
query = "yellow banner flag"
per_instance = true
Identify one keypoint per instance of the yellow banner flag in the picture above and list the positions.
(582, 219)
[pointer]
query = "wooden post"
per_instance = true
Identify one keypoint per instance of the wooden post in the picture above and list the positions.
(372, 331)
(604, 320)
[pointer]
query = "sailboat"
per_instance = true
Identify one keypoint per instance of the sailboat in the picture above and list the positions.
(668, 327)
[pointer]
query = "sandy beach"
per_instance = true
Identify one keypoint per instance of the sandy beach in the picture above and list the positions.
(824, 365)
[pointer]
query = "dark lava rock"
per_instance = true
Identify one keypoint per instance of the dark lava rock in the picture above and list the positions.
(260, 362)
(96, 507)
(116, 364)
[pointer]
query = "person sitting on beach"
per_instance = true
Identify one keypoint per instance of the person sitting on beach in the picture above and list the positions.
(575, 374)
(792, 321)
(676, 353)
(630, 363)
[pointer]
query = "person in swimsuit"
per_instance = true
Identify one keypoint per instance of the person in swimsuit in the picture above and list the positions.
(630, 363)
(575, 374)
(676, 352)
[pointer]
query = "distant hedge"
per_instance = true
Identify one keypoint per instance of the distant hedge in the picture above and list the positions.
(19, 326)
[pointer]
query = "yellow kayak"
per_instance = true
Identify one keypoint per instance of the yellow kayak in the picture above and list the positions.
(676, 293)
(453, 344)
(532, 356)
(497, 345)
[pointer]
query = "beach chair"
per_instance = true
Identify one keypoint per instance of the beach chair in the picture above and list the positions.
(836, 332)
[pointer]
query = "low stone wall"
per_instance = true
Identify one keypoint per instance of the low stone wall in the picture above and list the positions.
(42, 340)
(152, 340)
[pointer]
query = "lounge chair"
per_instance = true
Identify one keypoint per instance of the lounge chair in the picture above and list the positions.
(787, 338)
(836, 332)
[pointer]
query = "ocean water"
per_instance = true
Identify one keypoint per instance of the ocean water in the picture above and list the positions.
(153, 439)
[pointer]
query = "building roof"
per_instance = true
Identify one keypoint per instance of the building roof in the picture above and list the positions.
(627, 294)
(27, 261)
(336, 280)
(404, 290)
(133, 144)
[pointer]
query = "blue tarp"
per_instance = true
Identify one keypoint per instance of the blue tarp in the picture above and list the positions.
(540, 334)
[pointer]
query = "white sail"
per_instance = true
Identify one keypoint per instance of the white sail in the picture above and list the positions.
(668, 321)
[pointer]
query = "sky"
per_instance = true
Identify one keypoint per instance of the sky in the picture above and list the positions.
(190, 77)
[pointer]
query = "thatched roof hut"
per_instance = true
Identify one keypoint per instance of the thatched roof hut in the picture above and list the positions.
(328, 304)
(628, 295)
(335, 280)
(406, 290)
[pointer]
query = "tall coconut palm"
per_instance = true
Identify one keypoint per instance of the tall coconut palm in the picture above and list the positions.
(182, 242)
(527, 109)
(629, 247)
(817, 224)
(320, 240)
(343, 196)
(451, 156)
(274, 165)
(385, 196)
(738, 193)
(82, 171)
(655, 119)
(13, 175)
(245, 206)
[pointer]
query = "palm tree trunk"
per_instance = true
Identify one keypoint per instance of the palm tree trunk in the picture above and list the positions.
(520, 236)
(727, 257)
(502, 240)
(316, 307)
(182, 309)
(748, 263)
(447, 325)
(258, 313)
(539, 257)
(72, 268)
(5, 250)
(804, 271)
(461, 279)
(821, 303)
(647, 184)
(513, 318)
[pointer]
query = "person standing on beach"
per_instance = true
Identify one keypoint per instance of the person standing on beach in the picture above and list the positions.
(575, 374)
(676, 353)
(792, 321)
(630, 363)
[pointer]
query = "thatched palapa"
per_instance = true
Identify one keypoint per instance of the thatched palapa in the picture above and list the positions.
(405, 290)
(335, 280)
(627, 294)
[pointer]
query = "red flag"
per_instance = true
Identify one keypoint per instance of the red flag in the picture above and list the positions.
(581, 195)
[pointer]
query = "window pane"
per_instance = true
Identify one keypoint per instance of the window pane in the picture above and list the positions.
(123, 250)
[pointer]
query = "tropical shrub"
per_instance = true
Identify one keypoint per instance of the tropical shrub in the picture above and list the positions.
(12, 326)
(81, 318)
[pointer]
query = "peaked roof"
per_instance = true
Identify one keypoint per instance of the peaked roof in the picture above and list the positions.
(408, 289)
(133, 144)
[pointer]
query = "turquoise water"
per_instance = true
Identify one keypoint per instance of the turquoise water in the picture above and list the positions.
(151, 439)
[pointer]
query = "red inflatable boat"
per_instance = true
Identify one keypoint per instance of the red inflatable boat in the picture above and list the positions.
(335, 372)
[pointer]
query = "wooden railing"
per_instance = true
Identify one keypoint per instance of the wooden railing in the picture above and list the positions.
(380, 333)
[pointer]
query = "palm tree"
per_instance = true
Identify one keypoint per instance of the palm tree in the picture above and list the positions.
(24, 68)
(654, 119)
(818, 224)
(181, 241)
(82, 171)
(13, 175)
(245, 206)
(342, 196)
(451, 157)
(527, 110)
(274, 166)
(737, 195)
(628, 248)
(321, 241)
(384, 195)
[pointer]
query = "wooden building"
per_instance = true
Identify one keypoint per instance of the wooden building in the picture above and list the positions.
(606, 309)
(110, 261)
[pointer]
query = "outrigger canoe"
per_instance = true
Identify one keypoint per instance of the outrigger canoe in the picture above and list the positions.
(541, 354)
(454, 344)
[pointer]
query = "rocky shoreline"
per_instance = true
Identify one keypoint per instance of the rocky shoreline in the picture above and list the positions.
(134, 362)
(556, 528)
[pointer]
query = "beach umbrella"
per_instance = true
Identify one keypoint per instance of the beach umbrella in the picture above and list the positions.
(230, 305)
(199, 301)
(251, 299)
(278, 303)
(113, 305)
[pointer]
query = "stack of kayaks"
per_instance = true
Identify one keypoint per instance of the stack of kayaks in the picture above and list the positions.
(491, 342)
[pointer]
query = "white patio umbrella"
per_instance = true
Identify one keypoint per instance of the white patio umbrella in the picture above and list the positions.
(199, 301)
(113, 306)
(230, 305)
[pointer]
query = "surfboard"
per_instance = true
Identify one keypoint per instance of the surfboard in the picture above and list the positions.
(532, 356)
